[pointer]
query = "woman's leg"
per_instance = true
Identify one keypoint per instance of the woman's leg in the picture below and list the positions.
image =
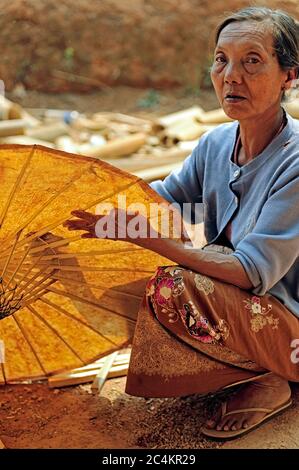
(225, 322)
(228, 325)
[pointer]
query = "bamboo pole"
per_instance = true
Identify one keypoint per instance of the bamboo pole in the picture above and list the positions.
(12, 127)
(25, 140)
(216, 116)
(88, 373)
(99, 380)
(143, 162)
(48, 132)
(188, 130)
(9, 110)
(170, 119)
(151, 174)
(116, 148)
(292, 108)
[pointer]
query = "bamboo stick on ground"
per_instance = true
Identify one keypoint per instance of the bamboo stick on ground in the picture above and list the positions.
(143, 162)
(123, 118)
(116, 148)
(48, 132)
(170, 119)
(99, 381)
(187, 130)
(25, 140)
(90, 371)
(12, 127)
(292, 108)
(151, 174)
(216, 116)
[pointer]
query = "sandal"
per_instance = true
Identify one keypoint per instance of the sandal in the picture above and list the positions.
(225, 435)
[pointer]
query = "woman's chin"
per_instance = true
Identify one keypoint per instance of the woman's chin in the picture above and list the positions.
(233, 112)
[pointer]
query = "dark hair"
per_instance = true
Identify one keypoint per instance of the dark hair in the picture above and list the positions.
(284, 28)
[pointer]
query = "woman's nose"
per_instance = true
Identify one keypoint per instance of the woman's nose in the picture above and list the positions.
(233, 73)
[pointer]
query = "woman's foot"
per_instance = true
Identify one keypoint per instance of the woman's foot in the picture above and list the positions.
(270, 392)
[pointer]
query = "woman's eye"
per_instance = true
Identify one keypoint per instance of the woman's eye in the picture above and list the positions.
(252, 60)
(220, 59)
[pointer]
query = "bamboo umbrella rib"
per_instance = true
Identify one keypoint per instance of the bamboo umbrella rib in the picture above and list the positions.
(32, 266)
(3, 372)
(89, 302)
(33, 296)
(79, 320)
(94, 286)
(58, 222)
(18, 266)
(90, 253)
(95, 269)
(11, 253)
(32, 279)
(56, 332)
(40, 283)
(16, 186)
(29, 344)
(74, 318)
(51, 199)
(56, 244)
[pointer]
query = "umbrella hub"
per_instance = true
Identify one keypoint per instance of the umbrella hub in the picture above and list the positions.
(9, 302)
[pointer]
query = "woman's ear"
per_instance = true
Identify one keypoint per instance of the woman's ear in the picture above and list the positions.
(292, 75)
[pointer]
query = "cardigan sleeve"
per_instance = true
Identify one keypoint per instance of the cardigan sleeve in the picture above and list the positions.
(269, 251)
(184, 185)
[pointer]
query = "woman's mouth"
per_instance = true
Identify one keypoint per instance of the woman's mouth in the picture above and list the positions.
(234, 98)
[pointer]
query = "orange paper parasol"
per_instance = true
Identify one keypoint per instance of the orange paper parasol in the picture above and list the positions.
(64, 300)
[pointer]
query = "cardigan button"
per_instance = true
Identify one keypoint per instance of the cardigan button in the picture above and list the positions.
(236, 173)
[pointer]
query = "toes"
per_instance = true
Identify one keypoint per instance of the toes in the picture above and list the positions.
(211, 423)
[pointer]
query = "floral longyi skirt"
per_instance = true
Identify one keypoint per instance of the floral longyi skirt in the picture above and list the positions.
(195, 334)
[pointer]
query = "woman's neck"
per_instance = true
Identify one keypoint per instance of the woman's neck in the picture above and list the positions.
(256, 135)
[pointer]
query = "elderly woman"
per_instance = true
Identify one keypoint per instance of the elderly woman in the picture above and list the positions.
(229, 315)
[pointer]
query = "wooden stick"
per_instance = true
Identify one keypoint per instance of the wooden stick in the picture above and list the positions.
(25, 140)
(12, 127)
(49, 132)
(88, 373)
(216, 116)
(169, 120)
(99, 381)
(292, 108)
(115, 148)
(143, 162)
(152, 174)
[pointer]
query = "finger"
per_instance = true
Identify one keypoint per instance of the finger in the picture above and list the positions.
(83, 214)
(88, 235)
(79, 227)
(77, 223)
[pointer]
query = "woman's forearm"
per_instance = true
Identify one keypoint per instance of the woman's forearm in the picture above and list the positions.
(224, 267)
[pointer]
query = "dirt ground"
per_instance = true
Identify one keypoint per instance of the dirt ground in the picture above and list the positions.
(34, 416)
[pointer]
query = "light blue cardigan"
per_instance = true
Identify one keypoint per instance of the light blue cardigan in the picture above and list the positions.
(263, 195)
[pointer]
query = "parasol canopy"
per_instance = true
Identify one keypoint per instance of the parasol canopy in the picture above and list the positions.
(64, 301)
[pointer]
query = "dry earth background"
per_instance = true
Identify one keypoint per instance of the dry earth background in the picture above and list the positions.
(145, 57)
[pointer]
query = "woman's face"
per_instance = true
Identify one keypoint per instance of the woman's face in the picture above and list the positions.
(246, 74)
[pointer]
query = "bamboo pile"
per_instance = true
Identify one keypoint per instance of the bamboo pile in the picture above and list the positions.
(96, 372)
(150, 149)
